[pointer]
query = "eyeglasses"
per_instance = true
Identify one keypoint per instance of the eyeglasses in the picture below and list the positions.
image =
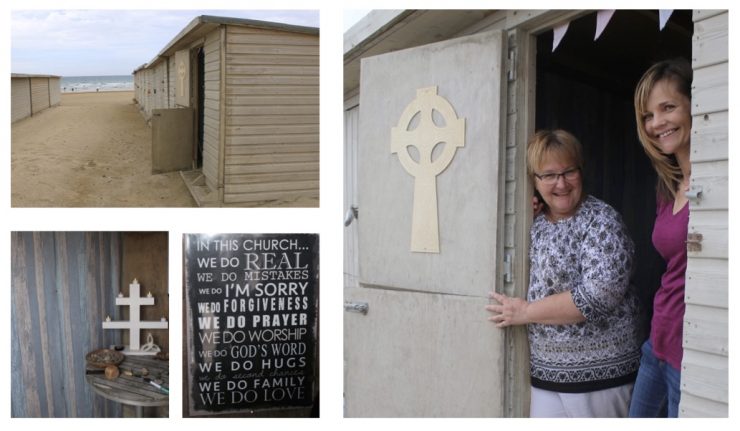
(552, 178)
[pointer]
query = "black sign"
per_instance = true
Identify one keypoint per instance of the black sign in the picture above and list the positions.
(251, 320)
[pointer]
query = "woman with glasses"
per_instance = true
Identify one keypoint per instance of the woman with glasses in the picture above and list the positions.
(663, 113)
(581, 310)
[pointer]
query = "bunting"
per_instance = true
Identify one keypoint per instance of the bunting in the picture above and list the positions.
(664, 15)
(603, 17)
(558, 33)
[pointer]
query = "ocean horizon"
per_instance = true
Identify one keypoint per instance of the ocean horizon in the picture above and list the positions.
(87, 84)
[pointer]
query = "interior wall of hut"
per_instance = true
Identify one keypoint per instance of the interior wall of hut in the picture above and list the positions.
(586, 87)
(63, 285)
(145, 258)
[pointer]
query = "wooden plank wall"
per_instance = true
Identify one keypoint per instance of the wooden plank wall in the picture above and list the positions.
(55, 91)
(144, 91)
(20, 96)
(63, 286)
(39, 94)
(704, 373)
(148, 93)
(212, 109)
(161, 88)
(272, 116)
(155, 87)
(171, 79)
(32, 95)
(137, 87)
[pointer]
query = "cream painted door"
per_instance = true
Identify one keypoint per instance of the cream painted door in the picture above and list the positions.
(172, 140)
(423, 346)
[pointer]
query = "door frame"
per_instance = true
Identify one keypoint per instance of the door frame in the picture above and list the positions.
(197, 98)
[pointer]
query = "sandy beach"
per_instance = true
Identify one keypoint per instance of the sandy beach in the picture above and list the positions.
(93, 150)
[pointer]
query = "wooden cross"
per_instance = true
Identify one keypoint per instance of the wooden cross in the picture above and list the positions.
(181, 75)
(135, 324)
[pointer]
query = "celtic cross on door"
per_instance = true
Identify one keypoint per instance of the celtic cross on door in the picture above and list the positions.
(425, 136)
(181, 74)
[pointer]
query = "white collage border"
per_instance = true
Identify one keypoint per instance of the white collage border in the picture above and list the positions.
(326, 220)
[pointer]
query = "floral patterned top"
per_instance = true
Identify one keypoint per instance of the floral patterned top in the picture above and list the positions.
(589, 254)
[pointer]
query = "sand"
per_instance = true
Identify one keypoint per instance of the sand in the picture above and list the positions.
(93, 150)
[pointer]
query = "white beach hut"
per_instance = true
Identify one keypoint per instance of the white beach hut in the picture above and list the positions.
(416, 339)
(234, 105)
(31, 94)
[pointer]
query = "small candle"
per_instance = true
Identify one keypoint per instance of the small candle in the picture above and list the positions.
(163, 319)
(120, 294)
(149, 294)
(107, 318)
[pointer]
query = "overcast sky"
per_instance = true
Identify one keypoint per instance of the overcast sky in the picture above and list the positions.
(351, 16)
(109, 42)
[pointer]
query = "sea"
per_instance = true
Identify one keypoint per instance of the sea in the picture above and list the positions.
(87, 84)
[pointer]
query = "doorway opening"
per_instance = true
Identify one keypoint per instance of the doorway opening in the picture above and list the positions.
(586, 87)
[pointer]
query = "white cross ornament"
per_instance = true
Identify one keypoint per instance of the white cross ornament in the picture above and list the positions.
(135, 324)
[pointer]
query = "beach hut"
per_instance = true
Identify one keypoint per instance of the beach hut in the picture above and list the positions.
(31, 94)
(234, 105)
(416, 339)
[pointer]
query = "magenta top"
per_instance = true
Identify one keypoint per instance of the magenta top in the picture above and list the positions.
(669, 237)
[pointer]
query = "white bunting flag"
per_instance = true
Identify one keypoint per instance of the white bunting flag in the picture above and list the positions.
(602, 19)
(557, 35)
(664, 15)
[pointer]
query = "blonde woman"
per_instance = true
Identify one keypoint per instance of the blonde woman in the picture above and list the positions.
(663, 113)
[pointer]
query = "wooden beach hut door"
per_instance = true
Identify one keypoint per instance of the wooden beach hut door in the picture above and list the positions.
(172, 139)
(416, 339)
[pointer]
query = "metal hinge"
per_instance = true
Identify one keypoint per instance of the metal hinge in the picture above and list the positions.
(508, 273)
(693, 241)
(511, 65)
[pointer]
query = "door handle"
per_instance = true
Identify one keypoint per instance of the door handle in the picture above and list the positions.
(695, 194)
(356, 307)
(351, 214)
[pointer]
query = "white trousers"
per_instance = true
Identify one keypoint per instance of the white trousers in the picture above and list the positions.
(606, 403)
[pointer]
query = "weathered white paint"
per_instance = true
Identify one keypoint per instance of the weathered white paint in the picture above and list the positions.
(420, 355)
(709, 137)
(450, 287)
(704, 373)
(351, 130)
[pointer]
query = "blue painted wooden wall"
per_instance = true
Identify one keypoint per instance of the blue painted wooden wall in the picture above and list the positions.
(63, 286)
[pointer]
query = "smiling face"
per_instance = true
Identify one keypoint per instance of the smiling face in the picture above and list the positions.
(667, 118)
(564, 196)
